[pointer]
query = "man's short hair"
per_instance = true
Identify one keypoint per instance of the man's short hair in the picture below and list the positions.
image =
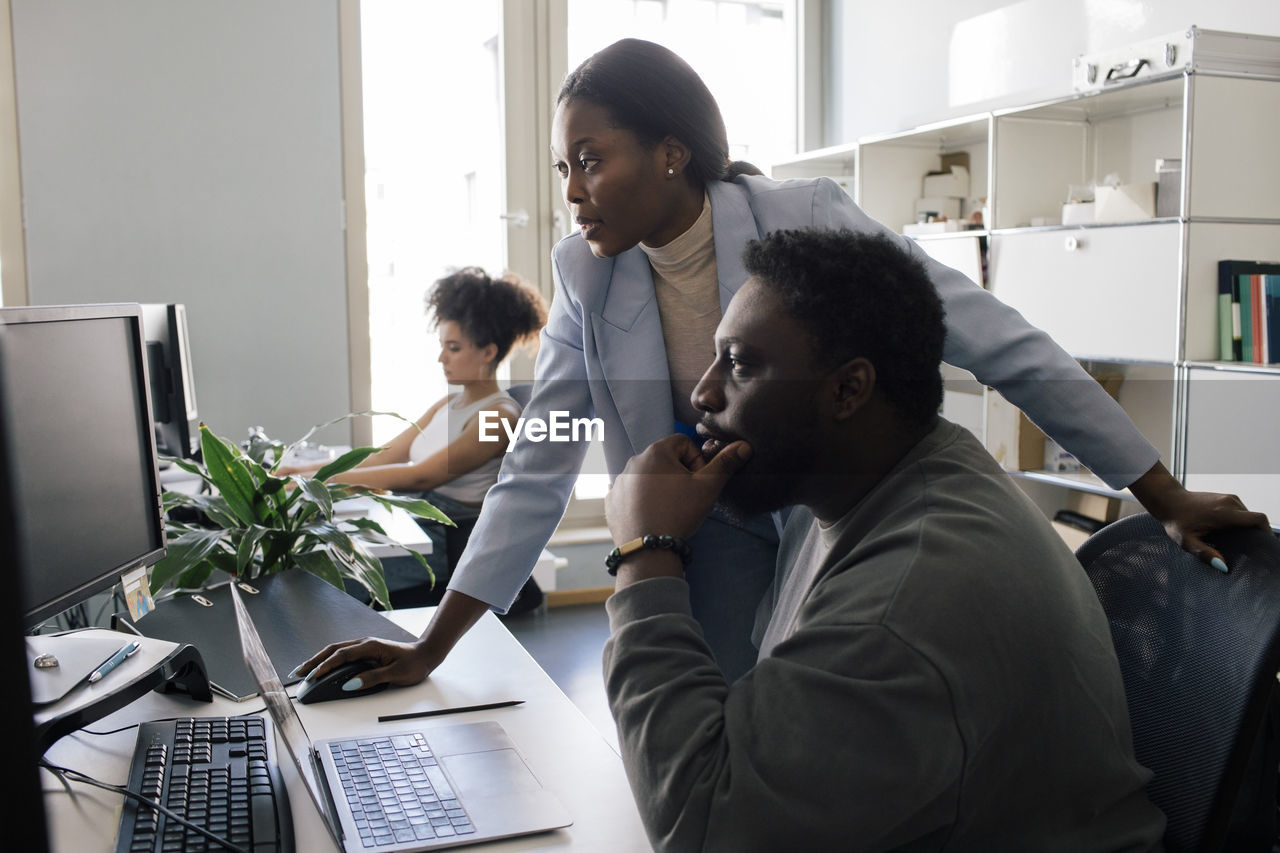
(860, 295)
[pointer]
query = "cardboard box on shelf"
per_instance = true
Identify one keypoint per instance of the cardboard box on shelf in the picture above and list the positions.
(1018, 444)
(1073, 536)
(952, 183)
(1015, 442)
(1099, 507)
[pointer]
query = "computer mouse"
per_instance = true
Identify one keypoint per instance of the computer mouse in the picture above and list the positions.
(329, 686)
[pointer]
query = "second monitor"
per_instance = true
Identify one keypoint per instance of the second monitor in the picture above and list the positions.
(173, 389)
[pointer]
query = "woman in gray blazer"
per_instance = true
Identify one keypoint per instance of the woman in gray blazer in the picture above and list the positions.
(663, 218)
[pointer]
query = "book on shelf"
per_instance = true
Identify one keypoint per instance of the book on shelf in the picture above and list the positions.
(1249, 311)
(1271, 298)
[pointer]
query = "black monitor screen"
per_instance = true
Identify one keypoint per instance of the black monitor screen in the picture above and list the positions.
(22, 806)
(173, 388)
(88, 492)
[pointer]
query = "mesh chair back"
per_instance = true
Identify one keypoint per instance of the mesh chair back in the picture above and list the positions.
(1199, 652)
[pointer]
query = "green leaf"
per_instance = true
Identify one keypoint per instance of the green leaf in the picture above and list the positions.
(248, 546)
(318, 493)
(320, 564)
(345, 462)
(195, 577)
(415, 506)
(229, 475)
(260, 445)
(279, 545)
(328, 533)
(191, 468)
(168, 500)
(189, 548)
(213, 506)
(367, 571)
(371, 531)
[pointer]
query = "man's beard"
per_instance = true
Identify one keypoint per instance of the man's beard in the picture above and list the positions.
(765, 484)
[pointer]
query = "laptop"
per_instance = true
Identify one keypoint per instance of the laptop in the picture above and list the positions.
(406, 791)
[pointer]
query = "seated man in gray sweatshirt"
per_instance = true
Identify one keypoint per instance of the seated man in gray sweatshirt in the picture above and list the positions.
(935, 671)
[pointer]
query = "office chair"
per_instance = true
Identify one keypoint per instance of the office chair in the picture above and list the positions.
(521, 392)
(1199, 651)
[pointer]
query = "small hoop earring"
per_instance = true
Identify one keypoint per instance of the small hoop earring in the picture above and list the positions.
(671, 173)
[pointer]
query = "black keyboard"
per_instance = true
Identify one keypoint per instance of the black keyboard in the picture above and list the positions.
(217, 772)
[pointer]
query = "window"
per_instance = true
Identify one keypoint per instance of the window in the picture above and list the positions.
(457, 113)
(744, 50)
(433, 180)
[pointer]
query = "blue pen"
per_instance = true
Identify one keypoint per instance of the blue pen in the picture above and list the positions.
(127, 650)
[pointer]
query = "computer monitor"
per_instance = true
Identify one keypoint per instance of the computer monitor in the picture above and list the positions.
(22, 806)
(83, 478)
(173, 389)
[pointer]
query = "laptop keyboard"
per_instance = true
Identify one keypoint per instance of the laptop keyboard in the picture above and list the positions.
(217, 772)
(397, 791)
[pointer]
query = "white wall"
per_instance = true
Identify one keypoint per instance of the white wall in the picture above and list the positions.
(893, 66)
(190, 151)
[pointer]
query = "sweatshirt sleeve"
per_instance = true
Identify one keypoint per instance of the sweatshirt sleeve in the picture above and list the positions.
(763, 765)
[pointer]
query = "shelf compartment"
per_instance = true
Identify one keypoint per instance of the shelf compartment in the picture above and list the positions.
(1042, 151)
(1235, 129)
(892, 167)
(1108, 293)
(1231, 435)
(1208, 243)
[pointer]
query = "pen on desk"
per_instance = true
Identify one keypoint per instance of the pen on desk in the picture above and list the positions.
(114, 661)
(459, 710)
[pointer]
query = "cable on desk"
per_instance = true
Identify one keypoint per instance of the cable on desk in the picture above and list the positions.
(169, 719)
(64, 773)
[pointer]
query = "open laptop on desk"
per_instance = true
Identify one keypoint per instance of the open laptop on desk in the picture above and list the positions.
(465, 783)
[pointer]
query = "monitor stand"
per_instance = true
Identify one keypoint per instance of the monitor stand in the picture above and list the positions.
(65, 701)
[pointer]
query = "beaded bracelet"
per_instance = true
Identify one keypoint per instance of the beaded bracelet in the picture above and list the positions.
(652, 543)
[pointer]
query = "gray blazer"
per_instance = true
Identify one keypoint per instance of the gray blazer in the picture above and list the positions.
(602, 356)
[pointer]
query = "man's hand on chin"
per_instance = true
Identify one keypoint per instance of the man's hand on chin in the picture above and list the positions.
(667, 490)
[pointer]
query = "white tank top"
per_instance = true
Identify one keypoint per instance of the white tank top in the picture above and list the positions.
(444, 427)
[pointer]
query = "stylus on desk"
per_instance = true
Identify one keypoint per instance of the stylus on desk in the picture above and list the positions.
(114, 661)
(390, 718)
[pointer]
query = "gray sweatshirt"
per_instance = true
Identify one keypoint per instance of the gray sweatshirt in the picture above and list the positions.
(938, 675)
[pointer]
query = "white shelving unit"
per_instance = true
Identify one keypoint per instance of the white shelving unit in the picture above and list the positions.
(1136, 298)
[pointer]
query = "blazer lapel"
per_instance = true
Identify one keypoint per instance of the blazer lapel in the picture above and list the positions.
(631, 351)
(733, 225)
(628, 330)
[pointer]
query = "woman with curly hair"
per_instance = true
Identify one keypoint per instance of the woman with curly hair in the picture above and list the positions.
(479, 319)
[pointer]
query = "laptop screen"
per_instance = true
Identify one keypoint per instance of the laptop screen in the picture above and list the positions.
(283, 714)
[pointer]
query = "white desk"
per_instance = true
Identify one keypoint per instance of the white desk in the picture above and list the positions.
(402, 527)
(569, 756)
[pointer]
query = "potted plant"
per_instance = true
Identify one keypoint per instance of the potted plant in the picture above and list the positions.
(253, 523)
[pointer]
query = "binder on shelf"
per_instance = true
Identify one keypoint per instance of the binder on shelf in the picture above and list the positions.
(1246, 318)
(1272, 301)
(1257, 317)
(1244, 305)
(1228, 315)
(296, 612)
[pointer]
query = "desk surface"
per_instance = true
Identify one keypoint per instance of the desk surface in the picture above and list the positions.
(568, 755)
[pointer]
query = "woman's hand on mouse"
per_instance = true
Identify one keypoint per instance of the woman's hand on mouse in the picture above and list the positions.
(398, 663)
